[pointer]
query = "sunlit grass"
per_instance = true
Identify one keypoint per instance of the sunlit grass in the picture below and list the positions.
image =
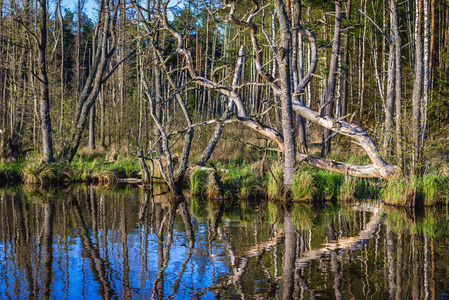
(303, 186)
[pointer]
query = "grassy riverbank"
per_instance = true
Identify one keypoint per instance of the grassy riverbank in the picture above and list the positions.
(309, 183)
(243, 178)
(87, 166)
(312, 184)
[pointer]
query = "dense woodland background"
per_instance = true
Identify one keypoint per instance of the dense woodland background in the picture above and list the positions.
(68, 80)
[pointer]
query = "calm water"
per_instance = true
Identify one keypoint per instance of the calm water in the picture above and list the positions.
(92, 243)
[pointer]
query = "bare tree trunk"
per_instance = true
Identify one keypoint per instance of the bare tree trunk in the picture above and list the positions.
(283, 58)
(146, 176)
(389, 103)
(426, 73)
(204, 157)
(47, 143)
(417, 93)
(432, 41)
(298, 46)
(102, 118)
(97, 76)
(92, 129)
(398, 83)
(157, 97)
(345, 67)
(330, 91)
(362, 65)
(78, 50)
(61, 37)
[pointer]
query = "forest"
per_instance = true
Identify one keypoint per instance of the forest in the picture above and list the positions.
(289, 98)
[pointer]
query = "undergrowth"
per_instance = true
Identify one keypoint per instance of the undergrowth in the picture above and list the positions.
(245, 179)
(85, 167)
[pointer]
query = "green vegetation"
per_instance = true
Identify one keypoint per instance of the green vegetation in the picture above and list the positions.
(309, 183)
(401, 192)
(274, 181)
(10, 173)
(86, 167)
(303, 186)
(198, 181)
(428, 191)
(243, 179)
(435, 189)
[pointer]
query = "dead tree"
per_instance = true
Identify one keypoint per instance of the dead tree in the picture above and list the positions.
(236, 106)
(47, 143)
(378, 168)
(331, 82)
(103, 50)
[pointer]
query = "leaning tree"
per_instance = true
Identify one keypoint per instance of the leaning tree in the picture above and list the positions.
(283, 50)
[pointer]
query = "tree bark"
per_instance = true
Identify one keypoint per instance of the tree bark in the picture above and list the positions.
(92, 129)
(297, 74)
(398, 77)
(283, 57)
(330, 91)
(345, 67)
(426, 73)
(389, 103)
(47, 143)
(157, 95)
(417, 94)
(78, 49)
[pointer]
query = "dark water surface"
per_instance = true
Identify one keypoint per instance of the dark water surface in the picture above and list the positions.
(92, 243)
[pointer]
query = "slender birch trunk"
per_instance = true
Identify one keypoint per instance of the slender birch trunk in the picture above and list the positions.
(426, 73)
(417, 92)
(398, 83)
(389, 103)
(331, 82)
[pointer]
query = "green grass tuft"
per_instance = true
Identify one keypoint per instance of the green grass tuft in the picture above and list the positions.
(275, 184)
(198, 181)
(435, 189)
(402, 192)
(303, 186)
(327, 184)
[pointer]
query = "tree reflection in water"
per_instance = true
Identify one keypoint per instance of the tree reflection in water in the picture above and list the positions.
(94, 243)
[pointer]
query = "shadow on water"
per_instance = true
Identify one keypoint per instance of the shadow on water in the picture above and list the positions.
(92, 243)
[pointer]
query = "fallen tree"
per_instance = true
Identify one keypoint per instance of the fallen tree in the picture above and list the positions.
(236, 106)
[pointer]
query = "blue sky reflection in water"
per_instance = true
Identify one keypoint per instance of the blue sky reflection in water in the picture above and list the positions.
(109, 243)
